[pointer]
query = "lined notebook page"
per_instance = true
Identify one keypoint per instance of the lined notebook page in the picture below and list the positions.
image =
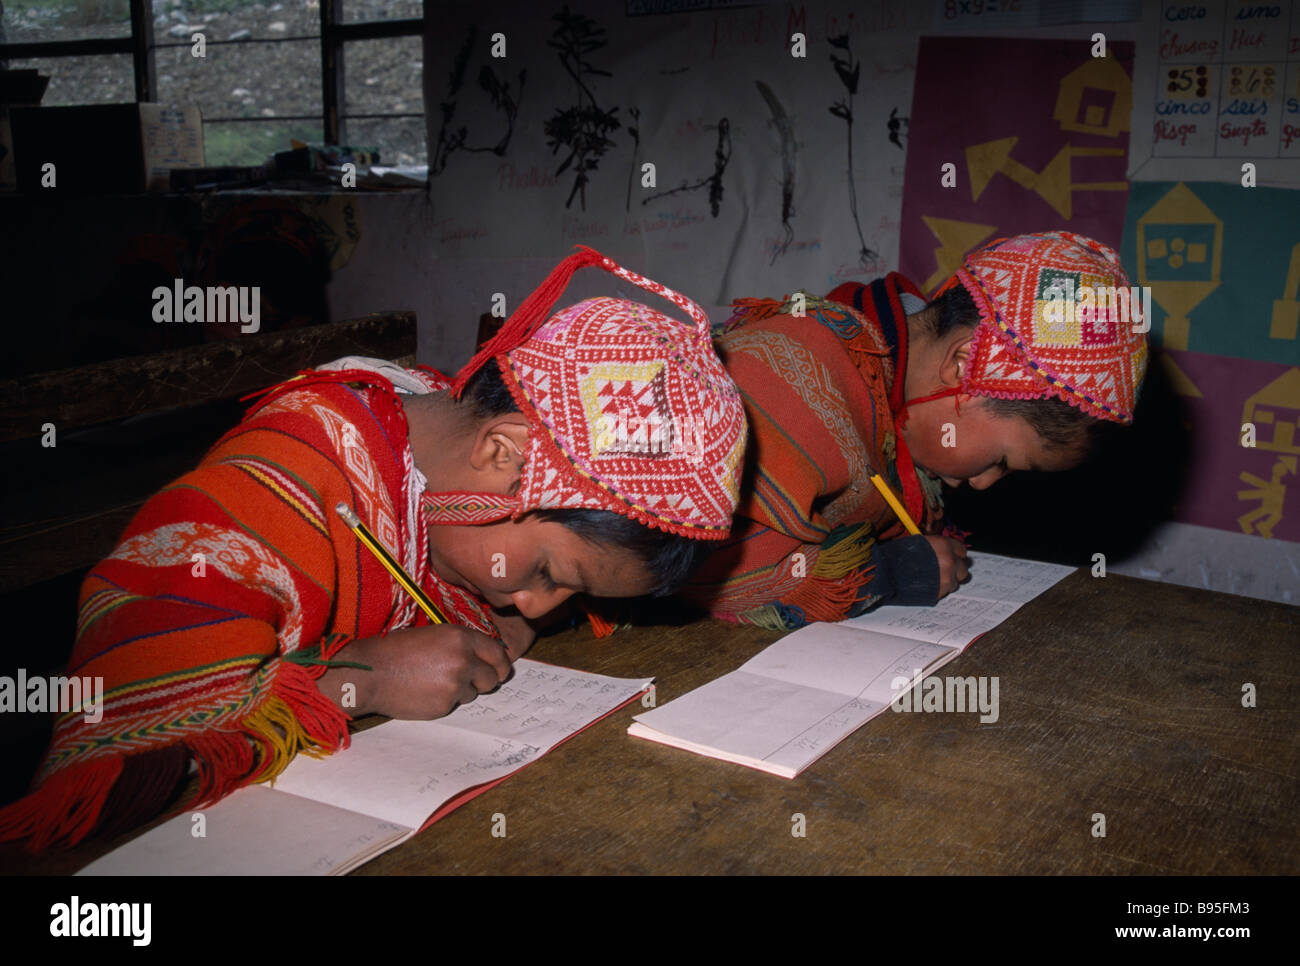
(255, 831)
(402, 771)
(794, 701)
(797, 699)
(327, 816)
(998, 587)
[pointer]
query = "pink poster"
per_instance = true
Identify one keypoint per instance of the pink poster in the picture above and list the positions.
(1245, 423)
(1011, 136)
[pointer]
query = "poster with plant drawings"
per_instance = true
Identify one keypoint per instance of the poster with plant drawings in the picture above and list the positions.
(715, 151)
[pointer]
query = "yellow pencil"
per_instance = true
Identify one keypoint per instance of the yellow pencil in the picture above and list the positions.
(390, 564)
(894, 502)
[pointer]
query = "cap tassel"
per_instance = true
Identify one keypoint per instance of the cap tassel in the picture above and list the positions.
(532, 312)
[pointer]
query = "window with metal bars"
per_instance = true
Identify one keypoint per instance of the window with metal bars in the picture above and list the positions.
(338, 71)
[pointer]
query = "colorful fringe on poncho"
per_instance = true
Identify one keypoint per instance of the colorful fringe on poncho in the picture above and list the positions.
(212, 617)
(821, 399)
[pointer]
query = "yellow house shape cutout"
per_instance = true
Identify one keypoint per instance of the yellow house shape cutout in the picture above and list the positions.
(1099, 73)
(1268, 407)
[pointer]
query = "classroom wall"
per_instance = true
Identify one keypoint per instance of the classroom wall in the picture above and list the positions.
(774, 172)
(390, 268)
(758, 206)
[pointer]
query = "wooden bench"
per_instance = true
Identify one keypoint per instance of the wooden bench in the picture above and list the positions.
(68, 503)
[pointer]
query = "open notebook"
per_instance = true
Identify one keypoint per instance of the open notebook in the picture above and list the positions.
(797, 699)
(327, 816)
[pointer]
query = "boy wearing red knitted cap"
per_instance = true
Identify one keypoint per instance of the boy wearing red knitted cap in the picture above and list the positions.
(240, 621)
(1028, 351)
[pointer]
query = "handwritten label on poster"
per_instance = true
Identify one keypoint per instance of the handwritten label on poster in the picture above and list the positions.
(1225, 85)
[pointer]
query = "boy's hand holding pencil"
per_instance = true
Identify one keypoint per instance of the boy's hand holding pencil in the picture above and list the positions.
(415, 673)
(954, 566)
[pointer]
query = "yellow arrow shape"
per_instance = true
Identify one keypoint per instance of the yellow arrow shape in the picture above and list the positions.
(985, 160)
(1052, 184)
(956, 238)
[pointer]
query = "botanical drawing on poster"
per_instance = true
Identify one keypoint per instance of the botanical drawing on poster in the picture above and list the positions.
(707, 150)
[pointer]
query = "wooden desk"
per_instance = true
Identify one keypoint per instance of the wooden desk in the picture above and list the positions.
(1117, 695)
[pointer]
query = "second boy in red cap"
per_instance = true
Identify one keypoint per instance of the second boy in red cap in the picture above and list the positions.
(1012, 367)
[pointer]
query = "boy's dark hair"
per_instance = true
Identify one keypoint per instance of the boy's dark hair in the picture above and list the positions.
(668, 557)
(1061, 425)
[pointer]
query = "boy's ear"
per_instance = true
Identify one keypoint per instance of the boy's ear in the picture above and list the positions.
(498, 451)
(955, 360)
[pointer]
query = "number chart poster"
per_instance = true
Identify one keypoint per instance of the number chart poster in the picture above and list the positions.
(697, 148)
(1217, 85)
(1036, 133)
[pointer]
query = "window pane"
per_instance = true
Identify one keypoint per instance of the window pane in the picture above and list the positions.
(246, 80)
(383, 76)
(234, 20)
(28, 21)
(400, 140)
(358, 10)
(102, 79)
(243, 80)
(253, 142)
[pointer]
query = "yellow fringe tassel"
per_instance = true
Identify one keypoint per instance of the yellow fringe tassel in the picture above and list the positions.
(850, 554)
(766, 617)
(283, 733)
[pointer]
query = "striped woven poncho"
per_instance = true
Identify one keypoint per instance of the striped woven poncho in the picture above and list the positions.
(209, 621)
(821, 393)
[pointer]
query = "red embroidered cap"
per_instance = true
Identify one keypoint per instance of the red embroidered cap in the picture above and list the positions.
(629, 410)
(1058, 318)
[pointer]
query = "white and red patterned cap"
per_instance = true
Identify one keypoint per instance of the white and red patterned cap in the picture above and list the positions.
(629, 411)
(1057, 319)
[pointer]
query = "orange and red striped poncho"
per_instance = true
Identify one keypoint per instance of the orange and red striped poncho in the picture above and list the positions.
(211, 619)
(821, 392)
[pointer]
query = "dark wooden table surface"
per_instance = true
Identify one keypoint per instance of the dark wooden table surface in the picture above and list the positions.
(1117, 696)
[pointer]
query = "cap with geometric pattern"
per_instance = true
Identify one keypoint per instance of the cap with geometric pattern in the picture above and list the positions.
(1058, 318)
(629, 410)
